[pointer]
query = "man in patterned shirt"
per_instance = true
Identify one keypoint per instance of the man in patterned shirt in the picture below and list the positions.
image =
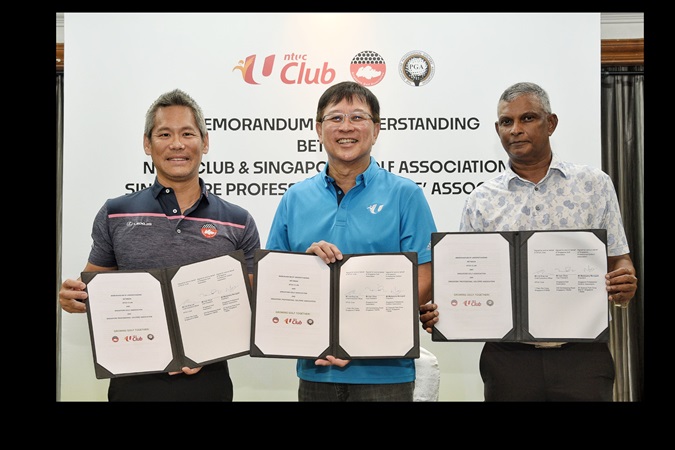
(538, 191)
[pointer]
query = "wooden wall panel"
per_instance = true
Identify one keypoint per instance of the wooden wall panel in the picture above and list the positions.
(59, 58)
(623, 52)
(614, 52)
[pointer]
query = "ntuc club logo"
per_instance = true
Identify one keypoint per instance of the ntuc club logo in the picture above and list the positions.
(367, 68)
(246, 67)
(296, 68)
(416, 68)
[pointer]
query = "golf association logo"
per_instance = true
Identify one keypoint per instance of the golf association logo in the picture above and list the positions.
(209, 231)
(416, 68)
(367, 68)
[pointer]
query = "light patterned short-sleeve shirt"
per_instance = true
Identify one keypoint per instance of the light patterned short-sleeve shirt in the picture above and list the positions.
(570, 196)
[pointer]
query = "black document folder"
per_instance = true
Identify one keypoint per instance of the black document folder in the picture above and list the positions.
(364, 306)
(521, 286)
(164, 319)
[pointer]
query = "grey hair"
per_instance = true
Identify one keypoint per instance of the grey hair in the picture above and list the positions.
(174, 98)
(526, 88)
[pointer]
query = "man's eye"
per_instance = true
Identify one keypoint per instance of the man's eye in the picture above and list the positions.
(357, 118)
(336, 118)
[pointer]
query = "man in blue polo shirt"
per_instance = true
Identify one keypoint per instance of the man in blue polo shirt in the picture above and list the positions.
(354, 206)
(174, 222)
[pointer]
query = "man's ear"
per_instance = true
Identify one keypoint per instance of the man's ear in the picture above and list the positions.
(317, 127)
(146, 145)
(205, 150)
(552, 123)
(376, 132)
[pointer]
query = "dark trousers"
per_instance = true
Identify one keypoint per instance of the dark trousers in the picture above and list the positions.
(211, 384)
(309, 391)
(522, 372)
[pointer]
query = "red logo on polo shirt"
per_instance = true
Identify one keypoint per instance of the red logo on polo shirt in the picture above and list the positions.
(209, 231)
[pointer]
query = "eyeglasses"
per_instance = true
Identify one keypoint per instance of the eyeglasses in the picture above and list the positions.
(356, 118)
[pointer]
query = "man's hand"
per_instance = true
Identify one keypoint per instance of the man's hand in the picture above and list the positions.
(187, 371)
(327, 251)
(331, 361)
(621, 286)
(72, 296)
(428, 316)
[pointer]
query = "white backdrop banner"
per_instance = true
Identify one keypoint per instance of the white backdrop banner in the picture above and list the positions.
(258, 78)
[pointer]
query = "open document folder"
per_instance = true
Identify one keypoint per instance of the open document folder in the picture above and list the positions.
(364, 306)
(161, 320)
(521, 286)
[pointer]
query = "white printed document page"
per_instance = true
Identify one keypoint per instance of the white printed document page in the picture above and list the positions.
(472, 286)
(566, 285)
(129, 323)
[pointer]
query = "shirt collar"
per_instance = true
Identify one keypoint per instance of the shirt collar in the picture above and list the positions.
(364, 177)
(556, 164)
(157, 188)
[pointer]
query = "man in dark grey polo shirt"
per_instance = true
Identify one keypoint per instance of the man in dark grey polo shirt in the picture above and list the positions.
(176, 221)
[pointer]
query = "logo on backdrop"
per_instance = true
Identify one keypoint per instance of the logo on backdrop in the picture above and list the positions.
(246, 67)
(296, 69)
(368, 68)
(416, 68)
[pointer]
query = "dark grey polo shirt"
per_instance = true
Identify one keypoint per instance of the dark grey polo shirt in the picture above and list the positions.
(146, 230)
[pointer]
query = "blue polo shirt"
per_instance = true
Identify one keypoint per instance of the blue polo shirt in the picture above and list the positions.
(383, 213)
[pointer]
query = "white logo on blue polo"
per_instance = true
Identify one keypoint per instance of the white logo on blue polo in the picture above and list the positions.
(375, 208)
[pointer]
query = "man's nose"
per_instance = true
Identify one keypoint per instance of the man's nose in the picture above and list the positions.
(515, 129)
(177, 144)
